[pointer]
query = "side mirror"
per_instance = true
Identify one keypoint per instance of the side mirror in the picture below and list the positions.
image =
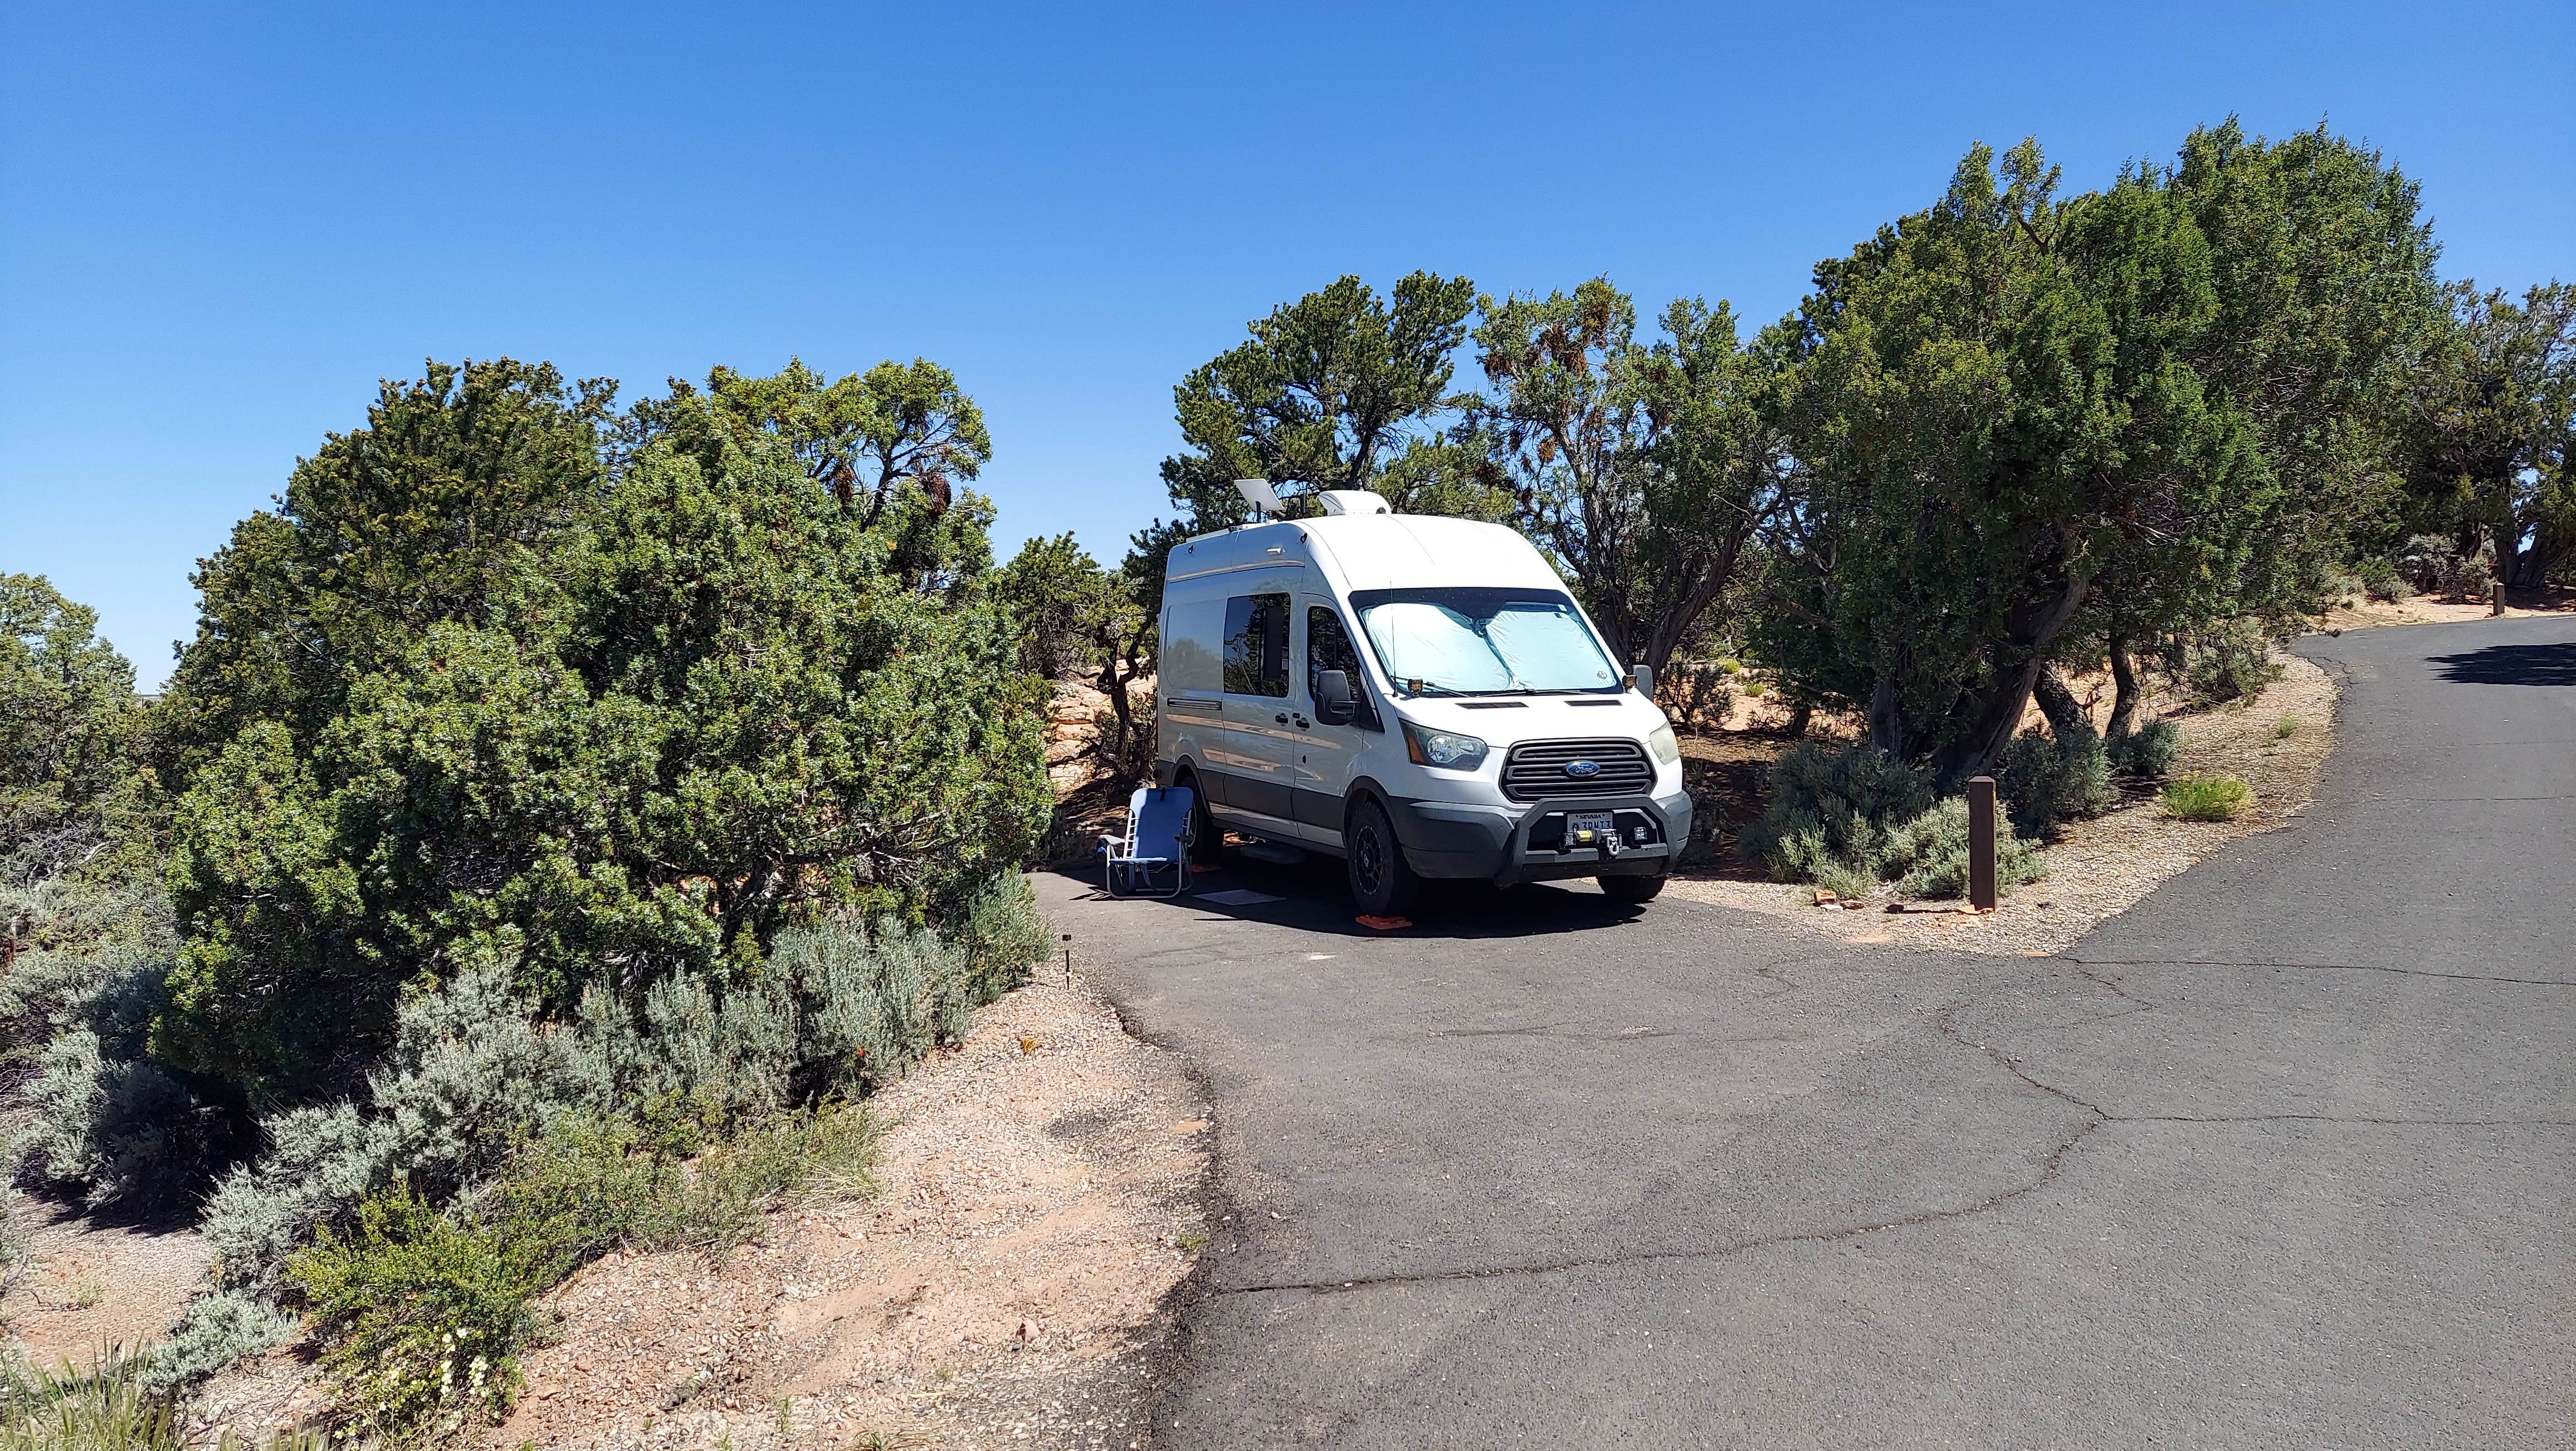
(1643, 677)
(1333, 697)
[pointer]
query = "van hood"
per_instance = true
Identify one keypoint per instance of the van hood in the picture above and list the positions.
(1508, 720)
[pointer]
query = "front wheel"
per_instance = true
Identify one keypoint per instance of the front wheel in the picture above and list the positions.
(1382, 882)
(1631, 890)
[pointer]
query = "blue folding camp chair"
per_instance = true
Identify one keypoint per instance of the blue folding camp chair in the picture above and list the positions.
(1153, 858)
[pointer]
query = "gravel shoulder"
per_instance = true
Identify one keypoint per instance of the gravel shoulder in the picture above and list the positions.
(2102, 867)
(95, 1286)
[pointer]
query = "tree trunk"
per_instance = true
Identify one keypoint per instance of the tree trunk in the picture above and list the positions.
(2037, 627)
(1886, 718)
(1976, 752)
(2124, 689)
(1114, 749)
(2527, 563)
(2066, 715)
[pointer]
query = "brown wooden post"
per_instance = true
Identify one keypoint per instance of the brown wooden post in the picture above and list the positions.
(1981, 843)
(2495, 598)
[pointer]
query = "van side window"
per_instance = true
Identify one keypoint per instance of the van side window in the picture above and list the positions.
(1328, 647)
(1256, 645)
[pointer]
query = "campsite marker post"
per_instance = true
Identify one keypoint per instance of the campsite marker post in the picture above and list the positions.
(1981, 843)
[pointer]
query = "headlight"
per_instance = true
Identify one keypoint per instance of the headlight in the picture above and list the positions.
(1439, 748)
(1665, 747)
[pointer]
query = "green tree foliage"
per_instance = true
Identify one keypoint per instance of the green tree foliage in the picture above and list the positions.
(1995, 415)
(68, 716)
(2321, 268)
(891, 444)
(1341, 389)
(2043, 429)
(652, 717)
(437, 511)
(1645, 468)
(2490, 420)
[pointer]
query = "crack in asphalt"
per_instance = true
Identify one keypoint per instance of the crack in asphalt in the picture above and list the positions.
(2318, 967)
(1552, 1030)
(2048, 1171)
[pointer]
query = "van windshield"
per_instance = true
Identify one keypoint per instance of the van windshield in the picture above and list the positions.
(1482, 642)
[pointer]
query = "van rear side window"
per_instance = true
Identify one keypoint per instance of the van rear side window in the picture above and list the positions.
(1256, 645)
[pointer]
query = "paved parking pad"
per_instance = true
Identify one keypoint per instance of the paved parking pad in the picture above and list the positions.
(2281, 1157)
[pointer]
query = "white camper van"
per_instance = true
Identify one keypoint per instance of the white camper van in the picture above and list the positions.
(1418, 696)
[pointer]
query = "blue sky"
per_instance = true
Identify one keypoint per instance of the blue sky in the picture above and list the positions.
(218, 230)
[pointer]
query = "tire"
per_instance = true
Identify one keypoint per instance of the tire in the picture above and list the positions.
(1382, 882)
(1206, 837)
(1632, 890)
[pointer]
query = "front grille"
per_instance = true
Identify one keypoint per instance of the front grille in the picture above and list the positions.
(1535, 770)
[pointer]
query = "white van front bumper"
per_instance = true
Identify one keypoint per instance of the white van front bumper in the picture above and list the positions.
(1507, 844)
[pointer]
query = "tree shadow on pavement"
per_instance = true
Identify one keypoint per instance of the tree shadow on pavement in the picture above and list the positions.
(2511, 665)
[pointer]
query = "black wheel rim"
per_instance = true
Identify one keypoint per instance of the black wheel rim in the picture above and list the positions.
(1368, 861)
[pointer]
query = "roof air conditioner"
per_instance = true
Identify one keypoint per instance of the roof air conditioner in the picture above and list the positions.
(1353, 501)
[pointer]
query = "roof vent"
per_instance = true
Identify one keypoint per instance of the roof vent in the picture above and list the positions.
(1353, 501)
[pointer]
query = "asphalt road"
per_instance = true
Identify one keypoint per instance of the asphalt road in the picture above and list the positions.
(2286, 1156)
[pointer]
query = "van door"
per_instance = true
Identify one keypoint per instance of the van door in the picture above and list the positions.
(1250, 753)
(1327, 755)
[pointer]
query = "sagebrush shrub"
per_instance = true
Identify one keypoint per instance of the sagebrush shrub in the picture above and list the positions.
(17, 1235)
(2045, 781)
(1830, 804)
(213, 1332)
(320, 1162)
(872, 1009)
(471, 1076)
(548, 1132)
(2476, 572)
(77, 1005)
(1845, 879)
(1928, 856)
(2148, 752)
(2378, 578)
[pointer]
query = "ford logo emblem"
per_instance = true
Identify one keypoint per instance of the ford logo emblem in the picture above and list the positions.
(1583, 768)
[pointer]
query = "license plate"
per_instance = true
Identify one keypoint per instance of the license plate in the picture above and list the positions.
(1586, 828)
